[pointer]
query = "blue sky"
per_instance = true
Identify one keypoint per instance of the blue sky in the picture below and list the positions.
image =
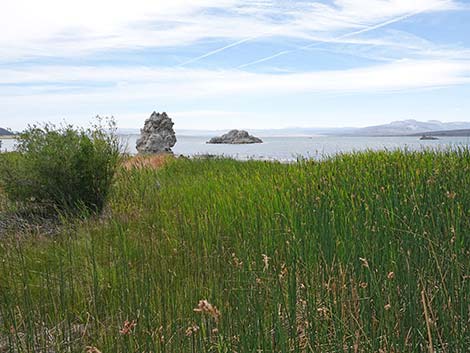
(219, 64)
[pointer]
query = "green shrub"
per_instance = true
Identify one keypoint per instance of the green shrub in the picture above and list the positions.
(62, 168)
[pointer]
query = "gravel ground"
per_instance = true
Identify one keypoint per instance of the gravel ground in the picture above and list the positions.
(27, 223)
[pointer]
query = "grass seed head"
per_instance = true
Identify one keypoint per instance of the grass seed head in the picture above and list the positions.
(364, 262)
(191, 330)
(451, 195)
(265, 262)
(205, 307)
(127, 327)
(90, 349)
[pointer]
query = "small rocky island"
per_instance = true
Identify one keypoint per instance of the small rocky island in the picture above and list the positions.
(235, 137)
(428, 137)
(158, 135)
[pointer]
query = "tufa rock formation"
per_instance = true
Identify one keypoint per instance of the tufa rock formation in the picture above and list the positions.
(235, 137)
(157, 135)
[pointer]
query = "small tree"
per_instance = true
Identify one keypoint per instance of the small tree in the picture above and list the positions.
(64, 168)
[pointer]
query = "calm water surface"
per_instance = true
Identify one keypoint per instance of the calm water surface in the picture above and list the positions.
(291, 148)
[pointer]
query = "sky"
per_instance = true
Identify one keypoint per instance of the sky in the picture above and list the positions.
(220, 64)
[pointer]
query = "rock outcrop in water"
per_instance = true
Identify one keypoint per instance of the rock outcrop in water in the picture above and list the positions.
(427, 137)
(235, 137)
(158, 135)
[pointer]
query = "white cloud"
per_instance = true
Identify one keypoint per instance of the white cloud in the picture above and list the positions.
(68, 28)
(108, 84)
(59, 29)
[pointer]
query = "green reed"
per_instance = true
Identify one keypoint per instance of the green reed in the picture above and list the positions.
(346, 255)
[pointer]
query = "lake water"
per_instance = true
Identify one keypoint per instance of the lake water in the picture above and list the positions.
(290, 148)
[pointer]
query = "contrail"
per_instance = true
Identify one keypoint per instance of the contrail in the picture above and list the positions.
(347, 35)
(193, 60)
(380, 25)
(281, 53)
(285, 52)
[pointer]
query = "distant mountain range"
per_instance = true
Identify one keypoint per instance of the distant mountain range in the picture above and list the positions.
(411, 127)
(395, 128)
(5, 132)
(293, 131)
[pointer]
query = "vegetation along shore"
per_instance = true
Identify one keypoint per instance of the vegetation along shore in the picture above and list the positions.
(8, 137)
(362, 252)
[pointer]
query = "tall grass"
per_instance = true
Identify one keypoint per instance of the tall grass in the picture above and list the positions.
(361, 253)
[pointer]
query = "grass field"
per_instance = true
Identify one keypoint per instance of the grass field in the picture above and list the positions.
(360, 253)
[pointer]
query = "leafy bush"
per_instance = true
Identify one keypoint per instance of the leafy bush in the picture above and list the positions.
(62, 168)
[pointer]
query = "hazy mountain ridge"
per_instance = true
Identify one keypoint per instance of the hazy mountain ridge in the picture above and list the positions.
(285, 132)
(5, 132)
(409, 127)
(395, 128)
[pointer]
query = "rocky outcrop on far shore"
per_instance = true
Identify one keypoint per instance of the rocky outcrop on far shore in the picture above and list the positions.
(235, 137)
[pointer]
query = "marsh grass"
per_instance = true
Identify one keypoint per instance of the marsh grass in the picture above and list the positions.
(363, 252)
